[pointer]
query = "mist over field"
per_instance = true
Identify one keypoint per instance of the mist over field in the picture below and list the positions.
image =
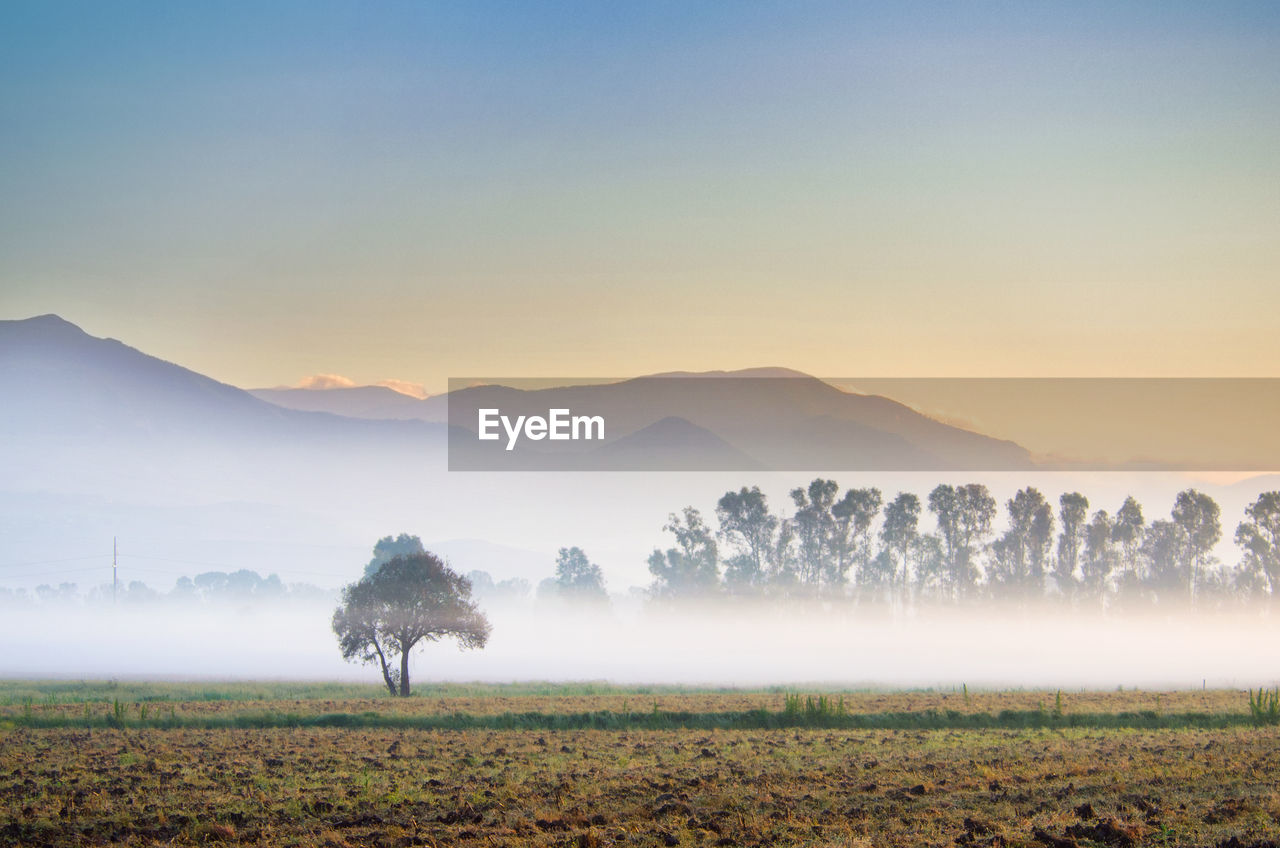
(318, 525)
(695, 645)
(236, 521)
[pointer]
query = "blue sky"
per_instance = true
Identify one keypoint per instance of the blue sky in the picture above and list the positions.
(265, 191)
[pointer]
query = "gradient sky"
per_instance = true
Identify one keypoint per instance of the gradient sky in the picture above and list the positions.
(419, 190)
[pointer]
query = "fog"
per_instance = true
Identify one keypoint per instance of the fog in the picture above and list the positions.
(634, 644)
(320, 528)
(312, 516)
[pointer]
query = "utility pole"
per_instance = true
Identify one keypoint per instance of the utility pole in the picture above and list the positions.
(115, 582)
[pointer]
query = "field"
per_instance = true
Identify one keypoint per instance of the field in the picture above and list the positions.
(586, 765)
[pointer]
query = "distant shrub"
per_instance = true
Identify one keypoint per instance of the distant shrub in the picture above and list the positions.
(812, 709)
(1265, 705)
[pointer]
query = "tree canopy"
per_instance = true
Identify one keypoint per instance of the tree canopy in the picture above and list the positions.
(389, 547)
(578, 578)
(691, 569)
(408, 600)
(858, 548)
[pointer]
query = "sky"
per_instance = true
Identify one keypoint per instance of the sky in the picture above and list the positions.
(413, 191)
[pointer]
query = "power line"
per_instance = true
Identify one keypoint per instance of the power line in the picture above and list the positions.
(48, 561)
(184, 561)
(50, 573)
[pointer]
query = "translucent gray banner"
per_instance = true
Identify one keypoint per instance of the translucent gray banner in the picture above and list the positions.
(785, 421)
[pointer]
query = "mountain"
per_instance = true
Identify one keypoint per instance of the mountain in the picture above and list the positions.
(111, 400)
(672, 440)
(370, 402)
(775, 418)
(60, 379)
(670, 444)
(63, 382)
(89, 416)
(98, 439)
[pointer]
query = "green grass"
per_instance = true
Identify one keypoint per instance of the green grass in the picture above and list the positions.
(813, 710)
(16, 692)
(1264, 706)
(121, 716)
(585, 705)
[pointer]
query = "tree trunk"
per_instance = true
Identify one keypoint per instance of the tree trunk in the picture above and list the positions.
(404, 673)
(386, 671)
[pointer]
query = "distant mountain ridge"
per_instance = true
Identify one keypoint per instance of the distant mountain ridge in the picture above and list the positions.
(371, 402)
(63, 381)
(80, 386)
(759, 418)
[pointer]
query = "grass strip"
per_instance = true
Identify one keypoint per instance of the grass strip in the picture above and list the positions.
(650, 720)
(17, 692)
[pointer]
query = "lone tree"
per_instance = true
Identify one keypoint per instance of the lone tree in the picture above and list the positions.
(408, 600)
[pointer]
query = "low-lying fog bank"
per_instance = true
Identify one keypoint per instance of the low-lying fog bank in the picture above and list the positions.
(741, 647)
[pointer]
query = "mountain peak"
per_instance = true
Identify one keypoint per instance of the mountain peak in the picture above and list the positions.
(741, 373)
(49, 323)
(47, 318)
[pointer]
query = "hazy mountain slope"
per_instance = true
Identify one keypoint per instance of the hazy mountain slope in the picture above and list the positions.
(91, 416)
(98, 439)
(373, 402)
(60, 380)
(690, 447)
(780, 418)
(66, 383)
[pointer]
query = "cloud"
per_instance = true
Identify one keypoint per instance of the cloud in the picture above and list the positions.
(320, 382)
(325, 381)
(405, 387)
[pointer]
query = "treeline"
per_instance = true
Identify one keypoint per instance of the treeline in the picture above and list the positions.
(577, 581)
(856, 547)
(211, 587)
(483, 586)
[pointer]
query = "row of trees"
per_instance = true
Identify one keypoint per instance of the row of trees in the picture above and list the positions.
(240, 587)
(852, 547)
(856, 546)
